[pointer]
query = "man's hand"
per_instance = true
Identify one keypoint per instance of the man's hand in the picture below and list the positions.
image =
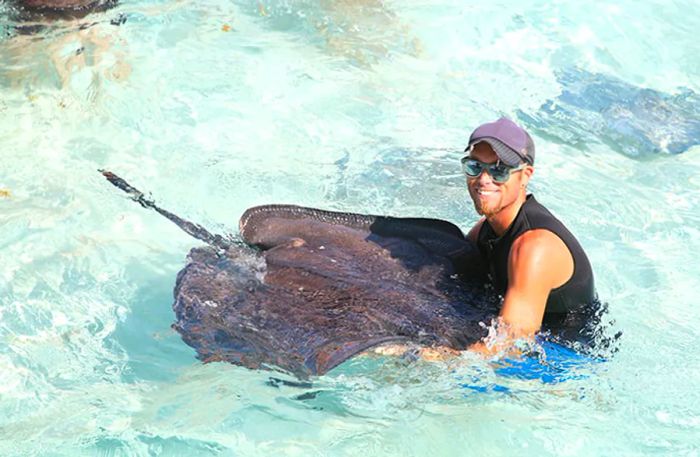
(430, 354)
(501, 341)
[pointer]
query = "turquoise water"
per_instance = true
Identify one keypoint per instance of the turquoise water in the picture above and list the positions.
(361, 106)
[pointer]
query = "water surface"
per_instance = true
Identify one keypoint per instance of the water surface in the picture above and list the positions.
(361, 106)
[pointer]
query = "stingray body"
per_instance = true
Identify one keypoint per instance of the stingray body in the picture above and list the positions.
(635, 121)
(324, 286)
(304, 289)
(45, 11)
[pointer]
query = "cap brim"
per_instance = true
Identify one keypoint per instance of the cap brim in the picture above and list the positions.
(503, 151)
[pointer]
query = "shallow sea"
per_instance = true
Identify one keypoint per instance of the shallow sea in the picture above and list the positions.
(362, 106)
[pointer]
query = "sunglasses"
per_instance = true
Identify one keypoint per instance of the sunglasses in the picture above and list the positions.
(499, 172)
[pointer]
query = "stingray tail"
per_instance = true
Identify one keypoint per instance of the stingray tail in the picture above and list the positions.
(190, 228)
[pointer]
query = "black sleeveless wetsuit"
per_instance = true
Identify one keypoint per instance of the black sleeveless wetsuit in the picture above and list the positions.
(567, 305)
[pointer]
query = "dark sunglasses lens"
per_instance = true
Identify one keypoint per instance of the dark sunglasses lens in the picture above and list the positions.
(472, 167)
(499, 173)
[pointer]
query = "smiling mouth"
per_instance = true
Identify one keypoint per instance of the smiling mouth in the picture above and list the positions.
(485, 193)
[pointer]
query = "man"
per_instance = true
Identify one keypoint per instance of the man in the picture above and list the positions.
(529, 256)
(532, 260)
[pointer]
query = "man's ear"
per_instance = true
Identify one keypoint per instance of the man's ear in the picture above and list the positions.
(527, 173)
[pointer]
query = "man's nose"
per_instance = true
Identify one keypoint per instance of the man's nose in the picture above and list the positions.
(484, 178)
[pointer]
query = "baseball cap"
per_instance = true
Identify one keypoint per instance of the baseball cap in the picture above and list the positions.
(511, 142)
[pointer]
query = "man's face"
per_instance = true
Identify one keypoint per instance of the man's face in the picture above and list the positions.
(489, 196)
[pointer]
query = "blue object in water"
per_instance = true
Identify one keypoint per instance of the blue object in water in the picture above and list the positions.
(635, 121)
(554, 364)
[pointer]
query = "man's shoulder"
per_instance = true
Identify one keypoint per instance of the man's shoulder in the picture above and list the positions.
(544, 252)
(538, 239)
(538, 216)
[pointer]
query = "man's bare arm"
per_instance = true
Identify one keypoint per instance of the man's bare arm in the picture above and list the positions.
(539, 261)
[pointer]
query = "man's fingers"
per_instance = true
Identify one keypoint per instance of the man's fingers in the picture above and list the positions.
(439, 353)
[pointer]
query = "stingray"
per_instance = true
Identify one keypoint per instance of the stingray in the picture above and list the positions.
(635, 121)
(302, 289)
(32, 16)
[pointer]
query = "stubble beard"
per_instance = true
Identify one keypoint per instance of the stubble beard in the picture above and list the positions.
(488, 210)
